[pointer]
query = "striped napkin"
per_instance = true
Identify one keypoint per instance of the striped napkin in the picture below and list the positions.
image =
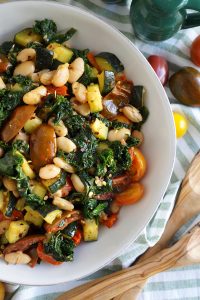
(182, 283)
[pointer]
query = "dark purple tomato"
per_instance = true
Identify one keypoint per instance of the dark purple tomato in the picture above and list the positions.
(160, 66)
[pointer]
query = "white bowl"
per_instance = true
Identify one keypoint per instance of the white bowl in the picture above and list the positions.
(159, 145)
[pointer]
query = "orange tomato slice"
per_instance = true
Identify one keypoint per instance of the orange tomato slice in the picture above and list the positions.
(138, 167)
(131, 195)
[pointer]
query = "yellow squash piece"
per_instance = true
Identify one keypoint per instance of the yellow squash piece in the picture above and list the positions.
(33, 216)
(99, 129)
(16, 231)
(90, 230)
(50, 217)
(32, 125)
(61, 53)
(94, 98)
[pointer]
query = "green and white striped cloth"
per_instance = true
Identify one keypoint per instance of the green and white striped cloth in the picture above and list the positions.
(182, 283)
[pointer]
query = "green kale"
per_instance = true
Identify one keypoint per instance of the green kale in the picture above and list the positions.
(21, 146)
(35, 201)
(63, 37)
(5, 146)
(9, 100)
(61, 248)
(85, 156)
(121, 156)
(74, 124)
(26, 84)
(92, 208)
(46, 28)
(132, 141)
(106, 163)
(8, 164)
(61, 109)
(86, 78)
(5, 47)
(80, 53)
(117, 125)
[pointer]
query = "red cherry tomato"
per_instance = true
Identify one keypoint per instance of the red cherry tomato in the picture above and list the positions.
(195, 51)
(46, 257)
(160, 66)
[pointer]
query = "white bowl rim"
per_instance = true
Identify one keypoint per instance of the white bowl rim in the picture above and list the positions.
(39, 282)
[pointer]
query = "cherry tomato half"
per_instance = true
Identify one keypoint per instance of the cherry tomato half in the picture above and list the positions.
(195, 51)
(181, 124)
(131, 195)
(138, 167)
(160, 66)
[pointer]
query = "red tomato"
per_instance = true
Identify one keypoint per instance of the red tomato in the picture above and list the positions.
(160, 66)
(111, 220)
(77, 237)
(131, 195)
(138, 167)
(46, 257)
(62, 90)
(195, 51)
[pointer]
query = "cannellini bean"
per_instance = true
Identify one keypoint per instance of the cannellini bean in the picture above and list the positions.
(35, 77)
(77, 183)
(138, 134)
(46, 77)
(76, 70)
(82, 109)
(65, 144)
(22, 136)
(16, 258)
(25, 69)
(61, 75)
(10, 184)
(49, 171)
(132, 113)
(59, 162)
(2, 84)
(60, 128)
(118, 134)
(63, 203)
(26, 54)
(79, 91)
(34, 96)
(16, 194)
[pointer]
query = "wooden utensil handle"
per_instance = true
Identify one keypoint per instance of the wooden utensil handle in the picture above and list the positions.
(112, 285)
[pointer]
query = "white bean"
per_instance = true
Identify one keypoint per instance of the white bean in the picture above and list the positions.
(34, 96)
(16, 258)
(77, 183)
(118, 134)
(2, 84)
(82, 109)
(79, 91)
(59, 162)
(46, 77)
(60, 128)
(63, 203)
(49, 171)
(65, 144)
(22, 136)
(132, 113)
(76, 69)
(61, 75)
(26, 68)
(10, 184)
(26, 54)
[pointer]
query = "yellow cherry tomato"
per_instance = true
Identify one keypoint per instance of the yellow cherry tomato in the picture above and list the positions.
(181, 124)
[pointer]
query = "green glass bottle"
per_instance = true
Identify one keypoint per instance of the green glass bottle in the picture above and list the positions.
(158, 20)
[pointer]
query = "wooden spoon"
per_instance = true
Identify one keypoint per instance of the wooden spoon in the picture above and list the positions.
(2, 291)
(184, 252)
(186, 207)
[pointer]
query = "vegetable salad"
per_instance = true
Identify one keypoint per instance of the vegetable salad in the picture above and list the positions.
(69, 144)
